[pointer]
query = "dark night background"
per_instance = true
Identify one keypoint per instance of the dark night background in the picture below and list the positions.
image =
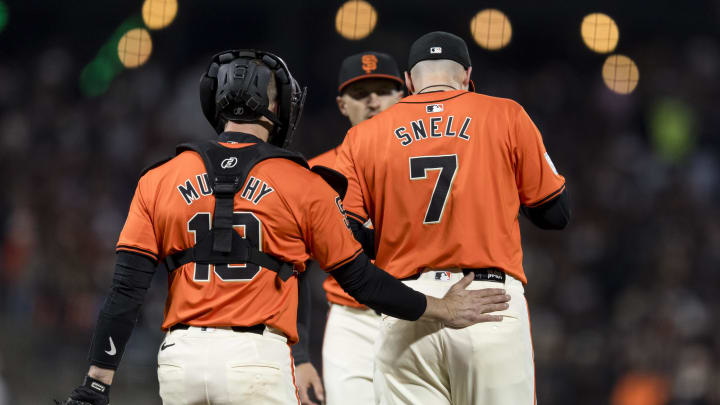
(624, 303)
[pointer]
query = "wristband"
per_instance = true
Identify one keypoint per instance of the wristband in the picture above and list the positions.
(96, 385)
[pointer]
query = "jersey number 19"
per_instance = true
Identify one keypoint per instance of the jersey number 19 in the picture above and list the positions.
(200, 224)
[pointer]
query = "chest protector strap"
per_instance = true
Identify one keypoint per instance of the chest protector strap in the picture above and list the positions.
(227, 170)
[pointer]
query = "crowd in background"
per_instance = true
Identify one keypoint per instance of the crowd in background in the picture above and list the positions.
(624, 303)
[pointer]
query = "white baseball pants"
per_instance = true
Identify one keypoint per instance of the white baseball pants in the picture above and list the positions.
(484, 364)
(348, 353)
(219, 366)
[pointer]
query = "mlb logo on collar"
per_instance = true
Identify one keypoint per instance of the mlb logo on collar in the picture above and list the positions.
(436, 49)
(442, 275)
(434, 108)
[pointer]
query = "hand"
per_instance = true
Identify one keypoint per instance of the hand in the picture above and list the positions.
(461, 308)
(306, 377)
(92, 392)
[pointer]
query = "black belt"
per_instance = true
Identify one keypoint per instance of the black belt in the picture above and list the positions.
(258, 329)
(481, 274)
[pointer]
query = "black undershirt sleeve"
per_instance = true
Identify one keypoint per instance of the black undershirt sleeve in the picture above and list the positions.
(372, 286)
(553, 214)
(364, 235)
(301, 350)
(132, 278)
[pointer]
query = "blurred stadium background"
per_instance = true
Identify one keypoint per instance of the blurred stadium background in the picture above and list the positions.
(624, 304)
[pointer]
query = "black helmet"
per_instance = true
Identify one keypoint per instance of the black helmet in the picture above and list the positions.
(234, 88)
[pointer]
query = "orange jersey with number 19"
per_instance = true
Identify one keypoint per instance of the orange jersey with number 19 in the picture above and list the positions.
(283, 208)
(442, 176)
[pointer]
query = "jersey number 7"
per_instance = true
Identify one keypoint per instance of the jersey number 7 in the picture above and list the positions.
(200, 224)
(447, 164)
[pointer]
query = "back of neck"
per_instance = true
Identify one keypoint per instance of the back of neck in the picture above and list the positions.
(257, 130)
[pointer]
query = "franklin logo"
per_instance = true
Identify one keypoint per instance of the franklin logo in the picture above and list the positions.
(369, 63)
(436, 50)
(97, 387)
(229, 163)
(434, 108)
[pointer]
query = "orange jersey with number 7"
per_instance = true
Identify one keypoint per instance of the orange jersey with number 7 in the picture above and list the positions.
(442, 176)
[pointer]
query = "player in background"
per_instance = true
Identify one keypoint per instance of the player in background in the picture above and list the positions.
(368, 83)
(235, 219)
(443, 175)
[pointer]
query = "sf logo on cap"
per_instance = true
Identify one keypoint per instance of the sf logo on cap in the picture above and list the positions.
(369, 63)
(436, 49)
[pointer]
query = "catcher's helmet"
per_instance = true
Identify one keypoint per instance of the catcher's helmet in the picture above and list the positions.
(234, 88)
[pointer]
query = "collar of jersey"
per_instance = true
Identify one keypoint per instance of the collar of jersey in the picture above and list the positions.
(238, 137)
(433, 96)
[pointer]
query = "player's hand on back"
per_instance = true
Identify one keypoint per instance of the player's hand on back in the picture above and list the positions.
(461, 308)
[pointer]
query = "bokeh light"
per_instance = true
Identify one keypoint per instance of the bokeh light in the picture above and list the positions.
(355, 19)
(158, 14)
(620, 74)
(3, 15)
(491, 29)
(671, 129)
(134, 47)
(641, 388)
(96, 76)
(599, 32)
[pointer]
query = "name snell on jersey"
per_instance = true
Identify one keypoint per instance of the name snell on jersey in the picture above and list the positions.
(433, 129)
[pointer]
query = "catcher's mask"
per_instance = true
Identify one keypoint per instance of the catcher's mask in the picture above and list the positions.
(234, 88)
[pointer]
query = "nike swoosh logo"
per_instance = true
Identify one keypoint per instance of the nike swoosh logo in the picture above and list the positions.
(164, 346)
(112, 350)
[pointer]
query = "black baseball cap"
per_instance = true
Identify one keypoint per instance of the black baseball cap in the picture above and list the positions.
(439, 45)
(368, 65)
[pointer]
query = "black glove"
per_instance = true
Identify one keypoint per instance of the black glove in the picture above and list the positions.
(92, 392)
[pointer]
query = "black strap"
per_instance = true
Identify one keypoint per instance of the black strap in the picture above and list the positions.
(335, 179)
(224, 188)
(154, 165)
(227, 170)
(241, 252)
(259, 328)
(481, 274)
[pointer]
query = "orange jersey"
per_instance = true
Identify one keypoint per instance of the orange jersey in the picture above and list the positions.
(285, 209)
(326, 159)
(442, 176)
(333, 291)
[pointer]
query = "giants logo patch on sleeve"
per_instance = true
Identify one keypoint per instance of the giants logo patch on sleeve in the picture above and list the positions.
(339, 204)
(552, 166)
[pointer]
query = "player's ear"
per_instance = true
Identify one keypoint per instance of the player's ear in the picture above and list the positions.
(409, 83)
(466, 79)
(341, 105)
